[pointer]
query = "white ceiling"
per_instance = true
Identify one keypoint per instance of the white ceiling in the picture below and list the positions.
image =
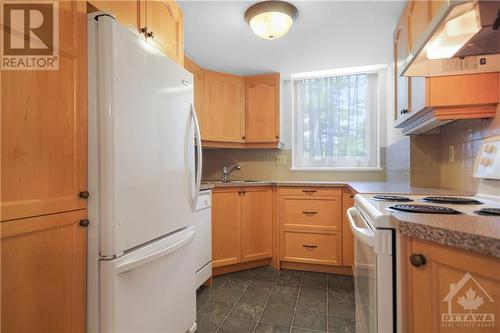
(326, 35)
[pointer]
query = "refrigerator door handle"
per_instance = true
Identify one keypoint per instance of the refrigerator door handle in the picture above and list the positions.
(199, 156)
(136, 262)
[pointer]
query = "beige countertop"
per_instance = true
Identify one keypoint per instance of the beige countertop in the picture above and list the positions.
(480, 234)
(359, 187)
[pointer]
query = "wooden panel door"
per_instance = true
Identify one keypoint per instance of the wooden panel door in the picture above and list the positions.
(44, 127)
(165, 25)
(418, 20)
(43, 273)
(226, 227)
(347, 236)
(199, 86)
(126, 12)
(256, 223)
(262, 108)
(224, 108)
(401, 83)
(451, 281)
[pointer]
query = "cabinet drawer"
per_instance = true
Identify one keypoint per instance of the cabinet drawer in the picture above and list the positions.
(310, 191)
(321, 213)
(311, 247)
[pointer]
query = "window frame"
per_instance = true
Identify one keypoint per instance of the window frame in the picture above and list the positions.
(378, 69)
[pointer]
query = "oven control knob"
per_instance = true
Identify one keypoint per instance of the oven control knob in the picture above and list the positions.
(417, 259)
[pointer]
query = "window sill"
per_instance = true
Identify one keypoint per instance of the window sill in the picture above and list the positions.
(316, 169)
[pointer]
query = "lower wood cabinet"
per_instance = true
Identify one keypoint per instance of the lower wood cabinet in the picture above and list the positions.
(43, 273)
(311, 225)
(241, 225)
(446, 289)
(347, 236)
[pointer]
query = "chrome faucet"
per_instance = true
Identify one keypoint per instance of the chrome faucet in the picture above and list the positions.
(226, 172)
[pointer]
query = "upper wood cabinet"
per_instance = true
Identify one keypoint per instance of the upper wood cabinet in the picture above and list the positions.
(241, 225)
(161, 22)
(43, 273)
(165, 28)
(432, 290)
(417, 20)
(262, 108)
(128, 13)
(44, 128)
(401, 84)
(199, 86)
(256, 223)
(223, 116)
(236, 111)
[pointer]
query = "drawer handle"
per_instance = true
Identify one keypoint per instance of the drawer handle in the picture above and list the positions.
(309, 246)
(309, 191)
(310, 213)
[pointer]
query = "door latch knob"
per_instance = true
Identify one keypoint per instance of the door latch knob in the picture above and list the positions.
(417, 259)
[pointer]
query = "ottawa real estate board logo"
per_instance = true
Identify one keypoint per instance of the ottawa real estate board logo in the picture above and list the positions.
(30, 35)
(468, 305)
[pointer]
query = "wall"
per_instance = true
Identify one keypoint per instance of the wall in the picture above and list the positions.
(261, 164)
(398, 161)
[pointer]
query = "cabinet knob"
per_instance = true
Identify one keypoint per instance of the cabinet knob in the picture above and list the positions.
(307, 246)
(84, 223)
(151, 34)
(84, 194)
(243, 137)
(417, 259)
(277, 136)
(144, 30)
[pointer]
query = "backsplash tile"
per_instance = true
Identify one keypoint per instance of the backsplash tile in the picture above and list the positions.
(261, 164)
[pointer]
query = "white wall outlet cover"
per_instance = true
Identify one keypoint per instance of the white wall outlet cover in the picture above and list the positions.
(451, 153)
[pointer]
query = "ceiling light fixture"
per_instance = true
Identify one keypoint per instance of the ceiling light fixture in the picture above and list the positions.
(271, 19)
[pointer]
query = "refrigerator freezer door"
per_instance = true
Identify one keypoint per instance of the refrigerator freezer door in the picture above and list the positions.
(151, 289)
(146, 133)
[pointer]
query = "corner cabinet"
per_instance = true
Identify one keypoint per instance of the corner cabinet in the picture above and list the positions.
(241, 225)
(161, 22)
(236, 111)
(262, 108)
(223, 113)
(439, 291)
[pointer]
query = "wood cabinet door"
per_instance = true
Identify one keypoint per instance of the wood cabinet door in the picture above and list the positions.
(226, 227)
(44, 273)
(451, 282)
(262, 108)
(199, 86)
(165, 25)
(126, 12)
(223, 116)
(256, 223)
(44, 127)
(418, 20)
(347, 236)
(401, 83)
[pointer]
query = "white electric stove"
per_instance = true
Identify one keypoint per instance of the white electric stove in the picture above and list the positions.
(375, 247)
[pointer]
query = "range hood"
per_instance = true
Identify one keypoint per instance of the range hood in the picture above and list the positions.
(462, 38)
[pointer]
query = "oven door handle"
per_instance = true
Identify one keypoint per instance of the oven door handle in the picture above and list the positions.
(365, 235)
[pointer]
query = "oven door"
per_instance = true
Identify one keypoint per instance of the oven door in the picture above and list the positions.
(365, 272)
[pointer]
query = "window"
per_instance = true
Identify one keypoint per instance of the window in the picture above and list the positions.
(336, 122)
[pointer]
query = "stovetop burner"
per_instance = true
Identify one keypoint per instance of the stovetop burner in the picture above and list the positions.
(453, 200)
(425, 209)
(397, 198)
(488, 211)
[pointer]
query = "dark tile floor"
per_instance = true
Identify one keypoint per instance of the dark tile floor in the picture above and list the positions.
(263, 300)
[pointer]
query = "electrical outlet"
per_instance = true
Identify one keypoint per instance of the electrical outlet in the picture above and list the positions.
(451, 153)
(281, 159)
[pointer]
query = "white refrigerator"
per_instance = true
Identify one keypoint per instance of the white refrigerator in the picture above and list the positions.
(144, 178)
